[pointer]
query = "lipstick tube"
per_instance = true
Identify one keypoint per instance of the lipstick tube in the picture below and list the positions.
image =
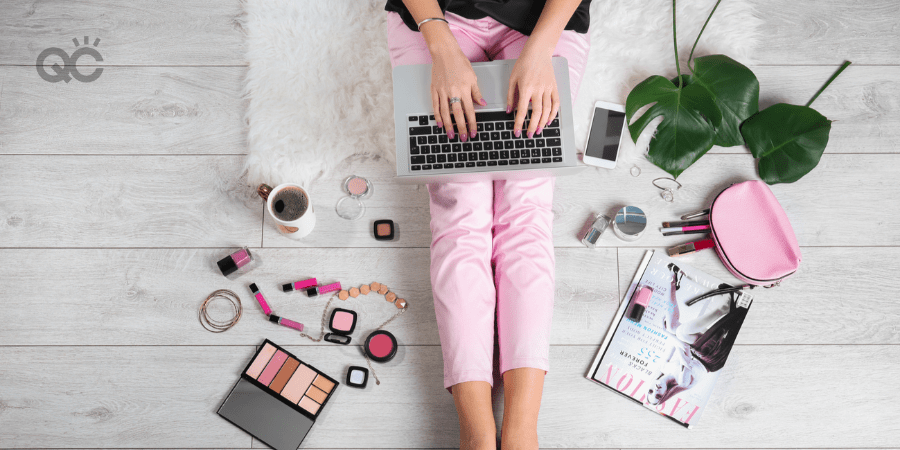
(640, 300)
(260, 299)
(299, 285)
(314, 291)
(690, 247)
(285, 322)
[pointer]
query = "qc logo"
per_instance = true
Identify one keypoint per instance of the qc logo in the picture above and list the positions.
(69, 69)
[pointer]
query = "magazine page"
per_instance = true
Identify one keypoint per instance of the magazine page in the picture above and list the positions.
(666, 348)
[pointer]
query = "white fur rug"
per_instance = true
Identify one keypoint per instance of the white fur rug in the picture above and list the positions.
(319, 79)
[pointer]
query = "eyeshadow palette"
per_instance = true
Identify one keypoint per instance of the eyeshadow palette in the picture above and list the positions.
(278, 397)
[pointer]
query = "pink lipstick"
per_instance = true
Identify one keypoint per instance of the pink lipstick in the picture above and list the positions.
(260, 299)
(285, 322)
(314, 291)
(299, 285)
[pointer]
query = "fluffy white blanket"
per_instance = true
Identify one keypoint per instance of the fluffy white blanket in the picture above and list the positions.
(319, 79)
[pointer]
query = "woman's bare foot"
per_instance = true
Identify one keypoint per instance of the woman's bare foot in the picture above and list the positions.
(522, 390)
(477, 429)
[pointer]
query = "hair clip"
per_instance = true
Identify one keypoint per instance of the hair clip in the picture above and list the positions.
(667, 194)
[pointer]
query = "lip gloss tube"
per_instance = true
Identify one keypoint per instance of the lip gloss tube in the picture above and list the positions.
(314, 291)
(285, 322)
(640, 302)
(260, 299)
(299, 285)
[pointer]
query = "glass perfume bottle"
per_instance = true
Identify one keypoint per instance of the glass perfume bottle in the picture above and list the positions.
(592, 235)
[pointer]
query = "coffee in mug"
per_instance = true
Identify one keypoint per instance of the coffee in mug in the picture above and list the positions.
(290, 208)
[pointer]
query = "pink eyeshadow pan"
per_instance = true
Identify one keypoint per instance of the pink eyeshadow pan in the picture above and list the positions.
(309, 405)
(273, 367)
(298, 383)
(261, 360)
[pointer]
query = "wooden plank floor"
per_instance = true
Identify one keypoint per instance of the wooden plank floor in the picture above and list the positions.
(117, 196)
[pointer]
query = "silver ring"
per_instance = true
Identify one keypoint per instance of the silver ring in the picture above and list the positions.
(455, 100)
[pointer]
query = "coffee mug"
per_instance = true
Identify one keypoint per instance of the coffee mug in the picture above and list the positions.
(290, 208)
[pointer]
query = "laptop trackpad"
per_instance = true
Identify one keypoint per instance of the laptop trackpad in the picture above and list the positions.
(492, 81)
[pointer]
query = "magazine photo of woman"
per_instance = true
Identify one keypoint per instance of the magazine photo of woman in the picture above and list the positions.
(701, 344)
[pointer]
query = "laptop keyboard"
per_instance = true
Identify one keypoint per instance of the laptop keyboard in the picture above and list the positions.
(493, 146)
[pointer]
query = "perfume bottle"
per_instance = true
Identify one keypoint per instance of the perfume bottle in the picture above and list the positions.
(592, 235)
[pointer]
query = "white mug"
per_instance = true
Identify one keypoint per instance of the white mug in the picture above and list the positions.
(295, 229)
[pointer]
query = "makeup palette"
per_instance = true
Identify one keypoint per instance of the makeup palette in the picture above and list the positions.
(342, 324)
(278, 397)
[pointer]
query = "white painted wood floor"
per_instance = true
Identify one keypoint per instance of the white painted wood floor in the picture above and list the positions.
(117, 196)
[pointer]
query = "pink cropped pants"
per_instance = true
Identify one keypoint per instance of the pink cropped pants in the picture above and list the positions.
(491, 242)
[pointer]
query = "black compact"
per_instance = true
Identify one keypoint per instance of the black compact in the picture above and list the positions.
(342, 324)
(357, 376)
(384, 230)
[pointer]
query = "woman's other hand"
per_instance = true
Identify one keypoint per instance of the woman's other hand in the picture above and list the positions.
(532, 80)
(452, 76)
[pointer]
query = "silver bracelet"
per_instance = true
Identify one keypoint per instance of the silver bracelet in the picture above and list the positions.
(419, 25)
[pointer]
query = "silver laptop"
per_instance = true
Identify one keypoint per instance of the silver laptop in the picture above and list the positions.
(425, 154)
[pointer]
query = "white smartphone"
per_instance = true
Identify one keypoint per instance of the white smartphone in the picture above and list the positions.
(607, 131)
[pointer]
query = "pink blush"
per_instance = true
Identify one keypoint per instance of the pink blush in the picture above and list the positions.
(357, 186)
(342, 321)
(381, 345)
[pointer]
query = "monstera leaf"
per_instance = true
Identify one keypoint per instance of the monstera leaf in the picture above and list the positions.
(735, 90)
(690, 118)
(788, 140)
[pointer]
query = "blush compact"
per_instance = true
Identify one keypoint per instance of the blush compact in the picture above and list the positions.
(351, 207)
(341, 324)
(381, 346)
(384, 230)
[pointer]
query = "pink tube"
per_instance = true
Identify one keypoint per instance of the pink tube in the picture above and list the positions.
(305, 284)
(260, 299)
(330, 288)
(286, 322)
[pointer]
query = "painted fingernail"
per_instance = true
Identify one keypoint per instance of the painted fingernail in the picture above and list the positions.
(483, 103)
(450, 133)
(530, 134)
(508, 109)
(539, 130)
(517, 133)
(439, 124)
(472, 135)
(462, 137)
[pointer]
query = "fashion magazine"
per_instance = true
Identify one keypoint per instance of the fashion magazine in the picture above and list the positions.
(670, 338)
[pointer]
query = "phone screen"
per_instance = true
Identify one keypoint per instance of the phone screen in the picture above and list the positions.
(606, 130)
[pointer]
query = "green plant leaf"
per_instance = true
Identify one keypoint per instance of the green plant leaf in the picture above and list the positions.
(688, 129)
(735, 90)
(788, 140)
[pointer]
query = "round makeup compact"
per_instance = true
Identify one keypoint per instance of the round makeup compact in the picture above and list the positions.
(351, 207)
(629, 223)
(381, 346)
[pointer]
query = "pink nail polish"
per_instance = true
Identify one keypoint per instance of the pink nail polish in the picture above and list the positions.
(539, 130)
(517, 133)
(462, 137)
(472, 135)
(508, 109)
(450, 134)
(440, 125)
(530, 134)
(483, 103)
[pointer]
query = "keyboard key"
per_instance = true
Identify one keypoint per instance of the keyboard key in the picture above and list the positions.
(425, 149)
(473, 139)
(423, 120)
(413, 118)
(505, 135)
(495, 155)
(417, 159)
(445, 148)
(484, 136)
(443, 139)
(508, 144)
(514, 162)
(483, 156)
(510, 125)
(455, 138)
(495, 135)
(540, 143)
(438, 166)
(412, 141)
(459, 165)
(535, 160)
(431, 117)
(426, 167)
(463, 157)
(467, 147)
(529, 143)
(519, 144)
(431, 159)
(477, 146)
(422, 140)
(557, 151)
(524, 161)
(437, 130)
(514, 154)
(417, 131)
(504, 154)
(488, 146)
(414, 151)
(545, 160)
(557, 159)
(480, 126)
(535, 153)
(554, 142)
(470, 164)
(441, 158)
(503, 162)
(456, 147)
(552, 132)
(451, 157)
(537, 132)
(481, 163)
(545, 152)
(432, 139)
(488, 126)
(492, 163)
(554, 124)
(416, 167)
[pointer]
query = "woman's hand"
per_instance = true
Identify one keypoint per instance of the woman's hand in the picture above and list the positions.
(532, 80)
(452, 76)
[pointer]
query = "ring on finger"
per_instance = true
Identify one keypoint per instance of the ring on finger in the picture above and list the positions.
(455, 100)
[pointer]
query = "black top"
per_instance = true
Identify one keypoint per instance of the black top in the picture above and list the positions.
(520, 15)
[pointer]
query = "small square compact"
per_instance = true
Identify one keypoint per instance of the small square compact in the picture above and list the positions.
(357, 376)
(384, 230)
(342, 324)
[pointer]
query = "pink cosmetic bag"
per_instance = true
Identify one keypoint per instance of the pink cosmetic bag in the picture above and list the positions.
(752, 234)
